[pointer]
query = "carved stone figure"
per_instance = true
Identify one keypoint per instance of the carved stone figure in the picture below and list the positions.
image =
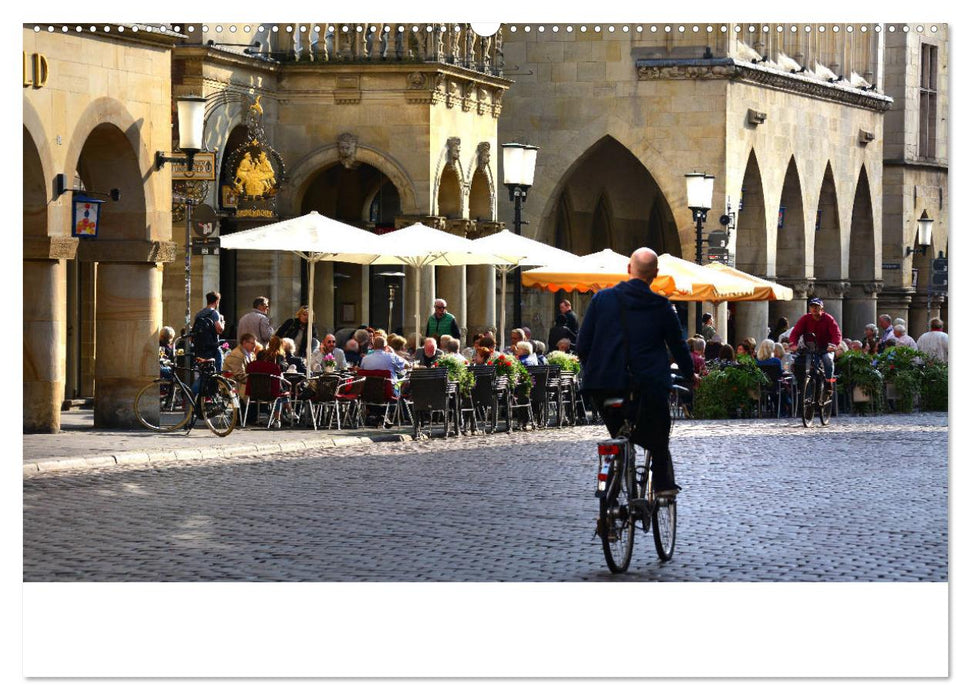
(347, 150)
(483, 153)
(454, 147)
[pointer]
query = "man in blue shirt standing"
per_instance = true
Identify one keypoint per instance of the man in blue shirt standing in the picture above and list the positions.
(623, 343)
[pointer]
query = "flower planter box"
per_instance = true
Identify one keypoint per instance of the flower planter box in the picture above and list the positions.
(861, 395)
(892, 392)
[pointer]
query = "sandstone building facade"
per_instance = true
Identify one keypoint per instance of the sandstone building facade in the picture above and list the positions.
(823, 176)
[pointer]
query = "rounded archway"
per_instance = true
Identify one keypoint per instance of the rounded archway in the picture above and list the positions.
(450, 193)
(108, 162)
(366, 197)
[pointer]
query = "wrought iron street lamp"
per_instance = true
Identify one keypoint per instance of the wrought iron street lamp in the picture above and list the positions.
(700, 187)
(518, 168)
(925, 226)
(191, 122)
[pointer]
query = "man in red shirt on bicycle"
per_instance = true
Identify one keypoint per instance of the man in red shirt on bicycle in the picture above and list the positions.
(822, 328)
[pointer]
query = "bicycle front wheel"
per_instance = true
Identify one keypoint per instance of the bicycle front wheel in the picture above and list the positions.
(164, 406)
(616, 526)
(664, 522)
(220, 407)
(808, 401)
(826, 407)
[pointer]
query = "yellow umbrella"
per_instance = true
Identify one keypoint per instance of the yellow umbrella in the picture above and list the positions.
(677, 279)
(764, 289)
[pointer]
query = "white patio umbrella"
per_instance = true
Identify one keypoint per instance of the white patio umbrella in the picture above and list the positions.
(418, 246)
(519, 251)
(313, 237)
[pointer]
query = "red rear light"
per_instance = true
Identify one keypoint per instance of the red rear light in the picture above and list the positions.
(608, 449)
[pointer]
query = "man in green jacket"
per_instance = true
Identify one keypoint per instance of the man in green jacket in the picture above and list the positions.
(441, 323)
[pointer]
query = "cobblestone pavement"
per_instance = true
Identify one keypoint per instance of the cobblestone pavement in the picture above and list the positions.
(763, 500)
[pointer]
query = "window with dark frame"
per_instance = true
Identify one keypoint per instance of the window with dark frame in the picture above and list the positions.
(927, 145)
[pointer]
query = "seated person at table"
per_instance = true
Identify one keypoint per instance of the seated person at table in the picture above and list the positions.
(765, 355)
(697, 348)
(564, 345)
(237, 360)
(295, 363)
(398, 344)
(451, 347)
(539, 349)
(429, 353)
(516, 335)
(275, 352)
(328, 347)
(383, 357)
(352, 353)
(166, 351)
(525, 354)
(485, 350)
(726, 357)
(746, 347)
(363, 338)
(779, 350)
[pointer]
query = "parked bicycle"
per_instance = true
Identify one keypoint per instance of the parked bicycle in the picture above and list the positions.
(626, 493)
(169, 404)
(816, 400)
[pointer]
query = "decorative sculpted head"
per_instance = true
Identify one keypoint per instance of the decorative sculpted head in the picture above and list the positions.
(347, 150)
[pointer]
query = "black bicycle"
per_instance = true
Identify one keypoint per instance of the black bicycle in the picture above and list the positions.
(817, 390)
(626, 493)
(169, 404)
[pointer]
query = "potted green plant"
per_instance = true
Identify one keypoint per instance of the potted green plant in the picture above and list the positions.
(858, 378)
(730, 392)
(933, 389)
(564, 360)
(902, 369)
(511, 368)
(458, 371)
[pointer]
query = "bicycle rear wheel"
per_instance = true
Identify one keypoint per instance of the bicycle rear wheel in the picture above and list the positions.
(616, 526)
(164, 406)
(808, 401)
(219, 406)
(664, 522)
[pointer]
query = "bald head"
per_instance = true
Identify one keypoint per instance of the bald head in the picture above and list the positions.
(643, 265)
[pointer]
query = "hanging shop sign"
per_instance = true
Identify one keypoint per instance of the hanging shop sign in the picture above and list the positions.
(253, 173)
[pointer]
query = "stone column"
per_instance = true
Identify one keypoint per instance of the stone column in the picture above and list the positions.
(895, 301)
(44, 343)
(721, 320)
(451, 285)
(481, 298)
(832, 293)
(451, 281)
(920, 316)
(751, 319)
(859, 308)
(129, 317)
(802, 291)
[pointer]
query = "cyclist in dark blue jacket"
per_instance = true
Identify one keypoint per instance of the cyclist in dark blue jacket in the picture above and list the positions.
(652, 328)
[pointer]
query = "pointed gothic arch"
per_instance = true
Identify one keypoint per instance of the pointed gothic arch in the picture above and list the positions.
(751, 248)
(827, 247)
(791, 227)
(635, 213)
(862, 261)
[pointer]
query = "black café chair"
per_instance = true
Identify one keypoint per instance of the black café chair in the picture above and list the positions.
(429, 395)
(485, 397)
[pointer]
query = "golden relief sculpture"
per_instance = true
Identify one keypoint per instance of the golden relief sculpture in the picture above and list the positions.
(254, 178)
